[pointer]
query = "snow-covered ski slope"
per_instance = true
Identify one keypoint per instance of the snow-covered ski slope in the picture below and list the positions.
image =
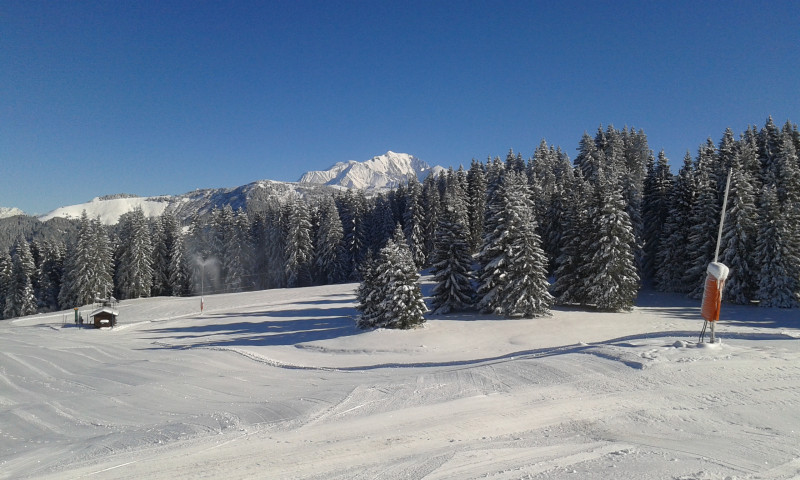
(280, 384)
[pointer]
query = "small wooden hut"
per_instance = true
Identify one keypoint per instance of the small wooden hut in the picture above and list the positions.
(106, 315)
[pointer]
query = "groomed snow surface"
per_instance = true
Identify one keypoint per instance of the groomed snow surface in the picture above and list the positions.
(280, 384)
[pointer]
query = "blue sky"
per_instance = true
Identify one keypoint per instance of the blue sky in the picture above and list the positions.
(164, 97)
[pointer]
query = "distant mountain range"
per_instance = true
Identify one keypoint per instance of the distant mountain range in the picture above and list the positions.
(375, 175)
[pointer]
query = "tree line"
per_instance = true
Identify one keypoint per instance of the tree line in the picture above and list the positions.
(510, 236)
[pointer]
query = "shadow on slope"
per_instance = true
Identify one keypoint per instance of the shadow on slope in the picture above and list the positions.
(280, 327)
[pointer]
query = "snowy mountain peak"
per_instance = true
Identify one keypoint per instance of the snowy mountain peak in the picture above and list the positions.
(384, 171)
(6, 212)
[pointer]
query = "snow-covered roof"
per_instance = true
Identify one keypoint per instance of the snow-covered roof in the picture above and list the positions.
(112, 311)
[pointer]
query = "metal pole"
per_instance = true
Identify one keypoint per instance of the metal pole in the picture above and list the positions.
(719, 236)
(202, 284)
(722, 217)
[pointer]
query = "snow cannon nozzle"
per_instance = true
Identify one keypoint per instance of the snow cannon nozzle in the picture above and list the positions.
(718, 270)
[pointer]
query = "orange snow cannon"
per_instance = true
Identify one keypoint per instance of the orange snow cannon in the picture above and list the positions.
(717, 273)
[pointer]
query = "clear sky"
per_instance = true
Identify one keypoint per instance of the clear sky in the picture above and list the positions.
(164, 97)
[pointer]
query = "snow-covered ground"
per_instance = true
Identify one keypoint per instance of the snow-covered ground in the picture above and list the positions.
(280, 384)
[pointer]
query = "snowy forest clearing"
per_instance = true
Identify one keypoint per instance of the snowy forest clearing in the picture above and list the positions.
(281, 384)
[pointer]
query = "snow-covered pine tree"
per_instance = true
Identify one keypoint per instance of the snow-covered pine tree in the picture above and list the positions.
(614, 282)
(476, 201)
(166, 229)
(511, 260)
(5, 278)
(451, 259)
(299, 247)
(570, 285)
(238, 248)
(389, 295)
(369, 294)
(739, 231)
(491, 257)
(179, 271)
(328, 248)
(402, 304)
(655, 210)
(258, 234)
(49, 274)
(381, 223)
(20, 300)
(671, 260)
(88, 266)
(431, 207)
(590, 159)
(276, 227)
(160, 259)
(777, 285)
(704, 218)
(525, 292)
(352, 210)
(135, 260)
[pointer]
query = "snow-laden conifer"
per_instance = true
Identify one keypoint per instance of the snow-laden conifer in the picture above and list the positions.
(614, 281)
(511, 260)
(20, 300)
(739, 232)
(329, 251)
(476, 201)
(299, 247)
(5, 277)
(526, 291)
(451, 260)
(135, 260)
(395, 300)
(704, 218)
(571, 275)
(672, 262)
(777, 285)
(655, 210)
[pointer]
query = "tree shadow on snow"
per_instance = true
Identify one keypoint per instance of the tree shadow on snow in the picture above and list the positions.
(281, 327)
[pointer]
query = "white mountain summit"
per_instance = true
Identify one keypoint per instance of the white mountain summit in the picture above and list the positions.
(384, 171)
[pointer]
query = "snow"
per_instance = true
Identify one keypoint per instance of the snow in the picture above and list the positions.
(109, 210)
(384, 171)
(6, 212)
(280, 384)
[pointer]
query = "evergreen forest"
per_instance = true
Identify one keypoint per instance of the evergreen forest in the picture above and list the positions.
(511, 236)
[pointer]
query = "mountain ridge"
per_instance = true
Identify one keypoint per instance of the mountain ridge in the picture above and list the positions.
(378, 174)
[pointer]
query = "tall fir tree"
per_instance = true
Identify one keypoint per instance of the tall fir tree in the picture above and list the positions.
(88, 266)
(614, 281)
(179, 269)
(299, 247)
(655, 211)
(704, 218)
(476, 202)
(451, 259)
(672, 262)
(571, 286)
(20, 300)
(135, 260)
(526, 292)
(397, 300)
(512, 276)
(328, 248)
(5, 278)
(739, 232)
(777, 285)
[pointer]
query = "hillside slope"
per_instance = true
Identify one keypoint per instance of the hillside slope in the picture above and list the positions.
(280, 384)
